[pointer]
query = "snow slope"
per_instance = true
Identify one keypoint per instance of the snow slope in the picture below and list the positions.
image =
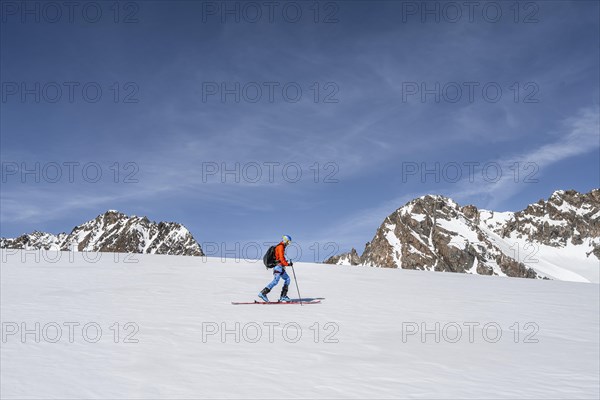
(365, 348)
(568, 263)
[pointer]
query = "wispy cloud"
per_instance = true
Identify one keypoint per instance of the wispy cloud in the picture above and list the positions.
(577, 135)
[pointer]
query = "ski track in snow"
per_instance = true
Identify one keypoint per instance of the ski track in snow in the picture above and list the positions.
(170, 297)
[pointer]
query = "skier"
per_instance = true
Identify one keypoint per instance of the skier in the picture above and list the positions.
(279, 271)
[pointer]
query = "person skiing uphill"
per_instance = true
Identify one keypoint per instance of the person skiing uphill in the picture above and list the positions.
(279, 271)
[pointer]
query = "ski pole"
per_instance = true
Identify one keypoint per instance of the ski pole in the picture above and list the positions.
(296, 280)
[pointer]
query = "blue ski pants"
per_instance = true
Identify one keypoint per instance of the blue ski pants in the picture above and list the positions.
(278, 273)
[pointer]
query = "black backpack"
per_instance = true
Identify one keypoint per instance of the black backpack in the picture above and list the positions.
(269, 258)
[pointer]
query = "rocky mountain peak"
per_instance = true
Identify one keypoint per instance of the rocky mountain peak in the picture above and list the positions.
(114, 231)
(435, 233)
(566, 217)
(349, 258)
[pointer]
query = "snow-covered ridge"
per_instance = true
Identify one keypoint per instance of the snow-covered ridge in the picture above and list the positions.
(114, 231)
(558, 238)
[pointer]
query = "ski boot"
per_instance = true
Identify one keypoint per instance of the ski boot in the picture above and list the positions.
(263, 295)
(284, 296)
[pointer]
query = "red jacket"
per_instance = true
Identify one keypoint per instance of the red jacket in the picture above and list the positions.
(280, 254)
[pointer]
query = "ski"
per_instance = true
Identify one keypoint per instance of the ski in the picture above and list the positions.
(276, 302)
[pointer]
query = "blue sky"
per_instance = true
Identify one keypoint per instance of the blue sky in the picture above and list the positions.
(370, 96)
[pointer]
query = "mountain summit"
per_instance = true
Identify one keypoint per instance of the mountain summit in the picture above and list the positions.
(114, 232)
(557, 238)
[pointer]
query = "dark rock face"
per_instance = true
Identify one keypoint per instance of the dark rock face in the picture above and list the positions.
(115, 232)
(434, 233)
(567, 216)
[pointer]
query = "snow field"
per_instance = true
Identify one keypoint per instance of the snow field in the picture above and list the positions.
(168, 331)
